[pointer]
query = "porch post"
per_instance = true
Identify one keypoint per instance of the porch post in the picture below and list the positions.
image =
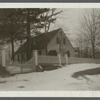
(59, 58)
(3, 57)
(36, 57)
(66, 59)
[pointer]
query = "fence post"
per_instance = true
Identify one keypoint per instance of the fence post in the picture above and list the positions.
(59, 58)
(3, 57)
(36, 57)
(66, 58)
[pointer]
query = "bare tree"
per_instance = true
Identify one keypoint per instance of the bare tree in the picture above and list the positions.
(90, 28)
(82, 46)
(47, 19)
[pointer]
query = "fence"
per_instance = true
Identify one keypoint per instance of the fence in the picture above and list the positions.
(75, 60)
(52, 60)
(31, 65)
(16, 67)
(48, 59)
(36, 60)
(43, 59)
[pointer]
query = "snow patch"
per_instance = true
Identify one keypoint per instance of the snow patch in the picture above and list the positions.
(55, 80)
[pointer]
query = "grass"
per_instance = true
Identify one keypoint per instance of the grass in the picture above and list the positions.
(94, 71)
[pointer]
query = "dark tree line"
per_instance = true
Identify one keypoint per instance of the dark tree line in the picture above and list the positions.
(20, 24)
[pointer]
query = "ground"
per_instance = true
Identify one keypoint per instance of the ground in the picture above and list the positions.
(56, 80)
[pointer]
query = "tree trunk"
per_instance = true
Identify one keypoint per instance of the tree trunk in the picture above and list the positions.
(28, 35)
(46, 45)
(46, 32)
(12, 39)
(46, 41)
(12, 45)
(93, 51)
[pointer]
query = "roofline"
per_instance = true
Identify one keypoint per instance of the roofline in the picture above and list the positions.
(68, 39)
(54, 34)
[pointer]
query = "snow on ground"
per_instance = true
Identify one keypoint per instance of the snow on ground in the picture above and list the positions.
(60, 79)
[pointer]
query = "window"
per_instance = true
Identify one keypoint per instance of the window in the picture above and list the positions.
(64, 41)
(52, 53)
(57, 40)
(39, 52)
(68, 53)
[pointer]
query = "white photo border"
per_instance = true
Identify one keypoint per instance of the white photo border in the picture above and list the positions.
(49, 93)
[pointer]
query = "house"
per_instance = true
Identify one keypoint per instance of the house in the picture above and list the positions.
(50, 43)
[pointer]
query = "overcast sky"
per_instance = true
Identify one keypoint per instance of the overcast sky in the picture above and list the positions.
(69, 21)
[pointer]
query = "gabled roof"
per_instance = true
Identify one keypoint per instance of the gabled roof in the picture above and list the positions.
(38, 42)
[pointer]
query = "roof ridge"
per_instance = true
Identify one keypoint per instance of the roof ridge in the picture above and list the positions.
(48, 32)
